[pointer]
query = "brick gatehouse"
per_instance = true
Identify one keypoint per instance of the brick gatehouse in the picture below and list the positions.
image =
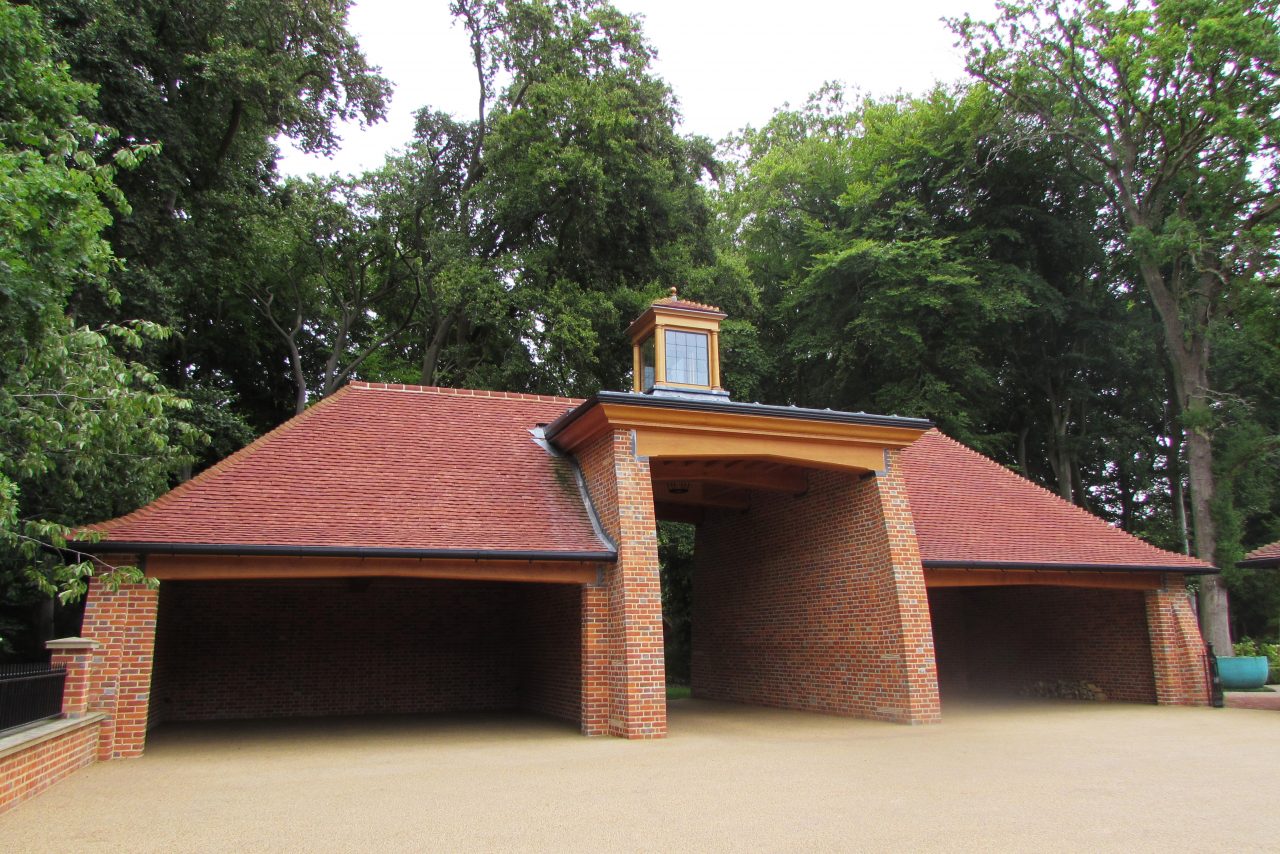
(400, 549)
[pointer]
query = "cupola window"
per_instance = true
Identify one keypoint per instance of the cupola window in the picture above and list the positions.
(687, 358)
(676, 349)
(648, 368)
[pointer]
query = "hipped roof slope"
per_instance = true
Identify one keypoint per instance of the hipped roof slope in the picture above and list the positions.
(971, 511)
(385, 466)
(1267, 556)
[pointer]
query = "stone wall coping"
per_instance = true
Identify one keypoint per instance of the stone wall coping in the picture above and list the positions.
(71, 643)
(33, 734)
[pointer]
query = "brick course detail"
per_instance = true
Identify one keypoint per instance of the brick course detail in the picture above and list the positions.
(1177, 648)
(816, 602)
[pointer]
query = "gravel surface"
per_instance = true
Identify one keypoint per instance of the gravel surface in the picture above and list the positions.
(1049, 776)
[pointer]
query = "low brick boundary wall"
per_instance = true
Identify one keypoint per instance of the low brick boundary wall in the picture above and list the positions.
(33, 759)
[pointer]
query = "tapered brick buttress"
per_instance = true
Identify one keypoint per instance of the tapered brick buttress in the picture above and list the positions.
(817, 602)
(1177, 650)
(623, 676)
(123, 622)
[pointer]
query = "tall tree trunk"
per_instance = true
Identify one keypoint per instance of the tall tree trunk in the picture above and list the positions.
(1059, 453)
(1186, 341)
(1124, 482)
(1214, 605)
(431, 353)
(1173, 470)
(299, 379)
(1022, 451)
(1077, 485)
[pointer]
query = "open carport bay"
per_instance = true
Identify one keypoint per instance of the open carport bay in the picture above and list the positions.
(356, 646)
(1009, 640)
(1047, 776)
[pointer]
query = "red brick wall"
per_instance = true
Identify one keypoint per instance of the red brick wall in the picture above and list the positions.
(1177, 648)
(549, 652)
(627, 659)
(816, 602)
(256, 649)
(999, 639)
(596, 664)
(599, 656)
(28, 772)
(123, 622)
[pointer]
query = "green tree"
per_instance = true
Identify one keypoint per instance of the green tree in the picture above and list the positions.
(1247, 372)
(83, 433)
(507, 249)
(1175, 106)
(213, 85)
(559, 208)
(925, 255)
(331, 280)
(857, 225)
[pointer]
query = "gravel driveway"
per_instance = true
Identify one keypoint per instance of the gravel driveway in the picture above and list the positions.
(1031, 777)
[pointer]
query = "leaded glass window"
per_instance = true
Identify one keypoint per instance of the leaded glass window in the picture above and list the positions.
(687, 358)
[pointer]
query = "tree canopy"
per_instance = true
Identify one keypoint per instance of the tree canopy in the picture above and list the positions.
(85, 432)
(1173, 109)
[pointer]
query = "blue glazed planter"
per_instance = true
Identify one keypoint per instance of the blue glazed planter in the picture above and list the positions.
(1245, 671)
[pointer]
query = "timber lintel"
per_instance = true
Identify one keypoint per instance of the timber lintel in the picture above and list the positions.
(946, 577)
(235, 567)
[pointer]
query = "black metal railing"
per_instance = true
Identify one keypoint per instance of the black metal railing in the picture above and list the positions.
(30, 692)
(1216, 698)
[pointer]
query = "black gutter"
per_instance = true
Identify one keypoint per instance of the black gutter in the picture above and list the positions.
(125, 546)
(692, 404)
(1069, 567)
(1260, 563)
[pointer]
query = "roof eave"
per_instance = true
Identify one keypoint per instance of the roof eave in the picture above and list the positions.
(936, 563)
(136, 547)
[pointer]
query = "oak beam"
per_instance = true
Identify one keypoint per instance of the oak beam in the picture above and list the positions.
(772, 477)
(941, 577)
(231, 567)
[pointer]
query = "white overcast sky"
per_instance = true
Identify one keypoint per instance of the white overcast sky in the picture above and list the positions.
(730, 63)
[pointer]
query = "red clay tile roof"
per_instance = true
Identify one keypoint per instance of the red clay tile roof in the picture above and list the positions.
(417, 468)
(379, 466)
(972, 511)
(1267, 556)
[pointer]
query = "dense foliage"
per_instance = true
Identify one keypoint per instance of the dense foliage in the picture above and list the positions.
(86, 432)
(1173, 110)
(1069, 264)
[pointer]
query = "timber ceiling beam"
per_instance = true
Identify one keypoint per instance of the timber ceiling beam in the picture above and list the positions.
(941, 577)
(234, 567)
(747, 474)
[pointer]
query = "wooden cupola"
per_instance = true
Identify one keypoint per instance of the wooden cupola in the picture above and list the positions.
(676, 349)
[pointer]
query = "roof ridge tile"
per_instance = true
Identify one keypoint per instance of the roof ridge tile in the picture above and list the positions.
(463, 392)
